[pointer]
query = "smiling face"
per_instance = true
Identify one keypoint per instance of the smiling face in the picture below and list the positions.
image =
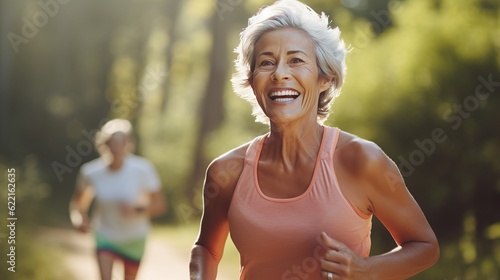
(286, 81)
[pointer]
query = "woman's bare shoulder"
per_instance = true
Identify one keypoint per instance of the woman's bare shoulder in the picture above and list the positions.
(359, 155)
(224, 171)
(366, 166)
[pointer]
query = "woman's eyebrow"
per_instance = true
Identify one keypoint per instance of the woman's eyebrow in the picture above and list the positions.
(296, 51)
(265, 53)
(288, 53)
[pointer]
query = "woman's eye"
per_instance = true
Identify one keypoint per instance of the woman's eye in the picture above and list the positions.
(266, 63)
(296, 60)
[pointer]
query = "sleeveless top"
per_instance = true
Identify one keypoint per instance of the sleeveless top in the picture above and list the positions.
(279, 238)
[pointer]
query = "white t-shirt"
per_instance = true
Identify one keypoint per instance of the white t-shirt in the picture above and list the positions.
(130, 185)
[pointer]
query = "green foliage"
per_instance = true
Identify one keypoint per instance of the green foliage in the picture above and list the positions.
(33, 260)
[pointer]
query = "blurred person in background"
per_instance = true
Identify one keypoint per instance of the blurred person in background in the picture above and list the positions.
(127, 194)
(299, 200)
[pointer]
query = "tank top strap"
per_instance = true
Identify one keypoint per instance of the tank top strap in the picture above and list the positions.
(330, 142)
(253, 149)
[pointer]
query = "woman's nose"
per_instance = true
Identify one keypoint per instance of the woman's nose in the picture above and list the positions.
(281, 72)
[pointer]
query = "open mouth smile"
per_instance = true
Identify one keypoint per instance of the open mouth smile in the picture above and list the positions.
(284, 96)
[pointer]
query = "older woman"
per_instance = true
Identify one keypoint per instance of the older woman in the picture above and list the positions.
(298, 201)
(127, 192)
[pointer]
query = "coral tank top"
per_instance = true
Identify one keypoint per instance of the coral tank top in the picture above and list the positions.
(279, 238)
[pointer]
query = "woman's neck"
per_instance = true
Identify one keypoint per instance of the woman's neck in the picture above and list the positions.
(116, 163)
(293, 145)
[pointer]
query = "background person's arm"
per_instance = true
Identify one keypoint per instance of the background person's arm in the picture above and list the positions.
(157, 205)
(79, 205)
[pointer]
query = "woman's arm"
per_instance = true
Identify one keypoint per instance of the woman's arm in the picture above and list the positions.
(221, 178)
(79, 205)
(395, 207)
(390, 201)
(157, 205)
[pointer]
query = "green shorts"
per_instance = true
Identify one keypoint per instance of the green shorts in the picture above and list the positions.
(130, 250)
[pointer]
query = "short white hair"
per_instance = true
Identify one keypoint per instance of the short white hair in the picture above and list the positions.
(329, 48)
(109, 129)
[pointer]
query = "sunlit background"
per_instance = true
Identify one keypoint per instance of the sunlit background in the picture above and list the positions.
(423, 83)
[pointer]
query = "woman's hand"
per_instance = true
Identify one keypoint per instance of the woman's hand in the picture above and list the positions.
(132, 210)
(156, 206)
(80, 221)
(341, 261)
(79, 205)
(84, 226)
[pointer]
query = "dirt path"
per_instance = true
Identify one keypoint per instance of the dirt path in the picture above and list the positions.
(161, 260)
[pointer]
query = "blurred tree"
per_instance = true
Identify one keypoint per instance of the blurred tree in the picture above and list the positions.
(5, 72)
(173, 11)
(211, 112)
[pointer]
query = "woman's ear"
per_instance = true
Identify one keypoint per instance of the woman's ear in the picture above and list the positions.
(325, 83)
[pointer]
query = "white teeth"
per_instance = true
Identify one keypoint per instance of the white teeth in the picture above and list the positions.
(284, 93)
(284, 96)
(287, 99)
